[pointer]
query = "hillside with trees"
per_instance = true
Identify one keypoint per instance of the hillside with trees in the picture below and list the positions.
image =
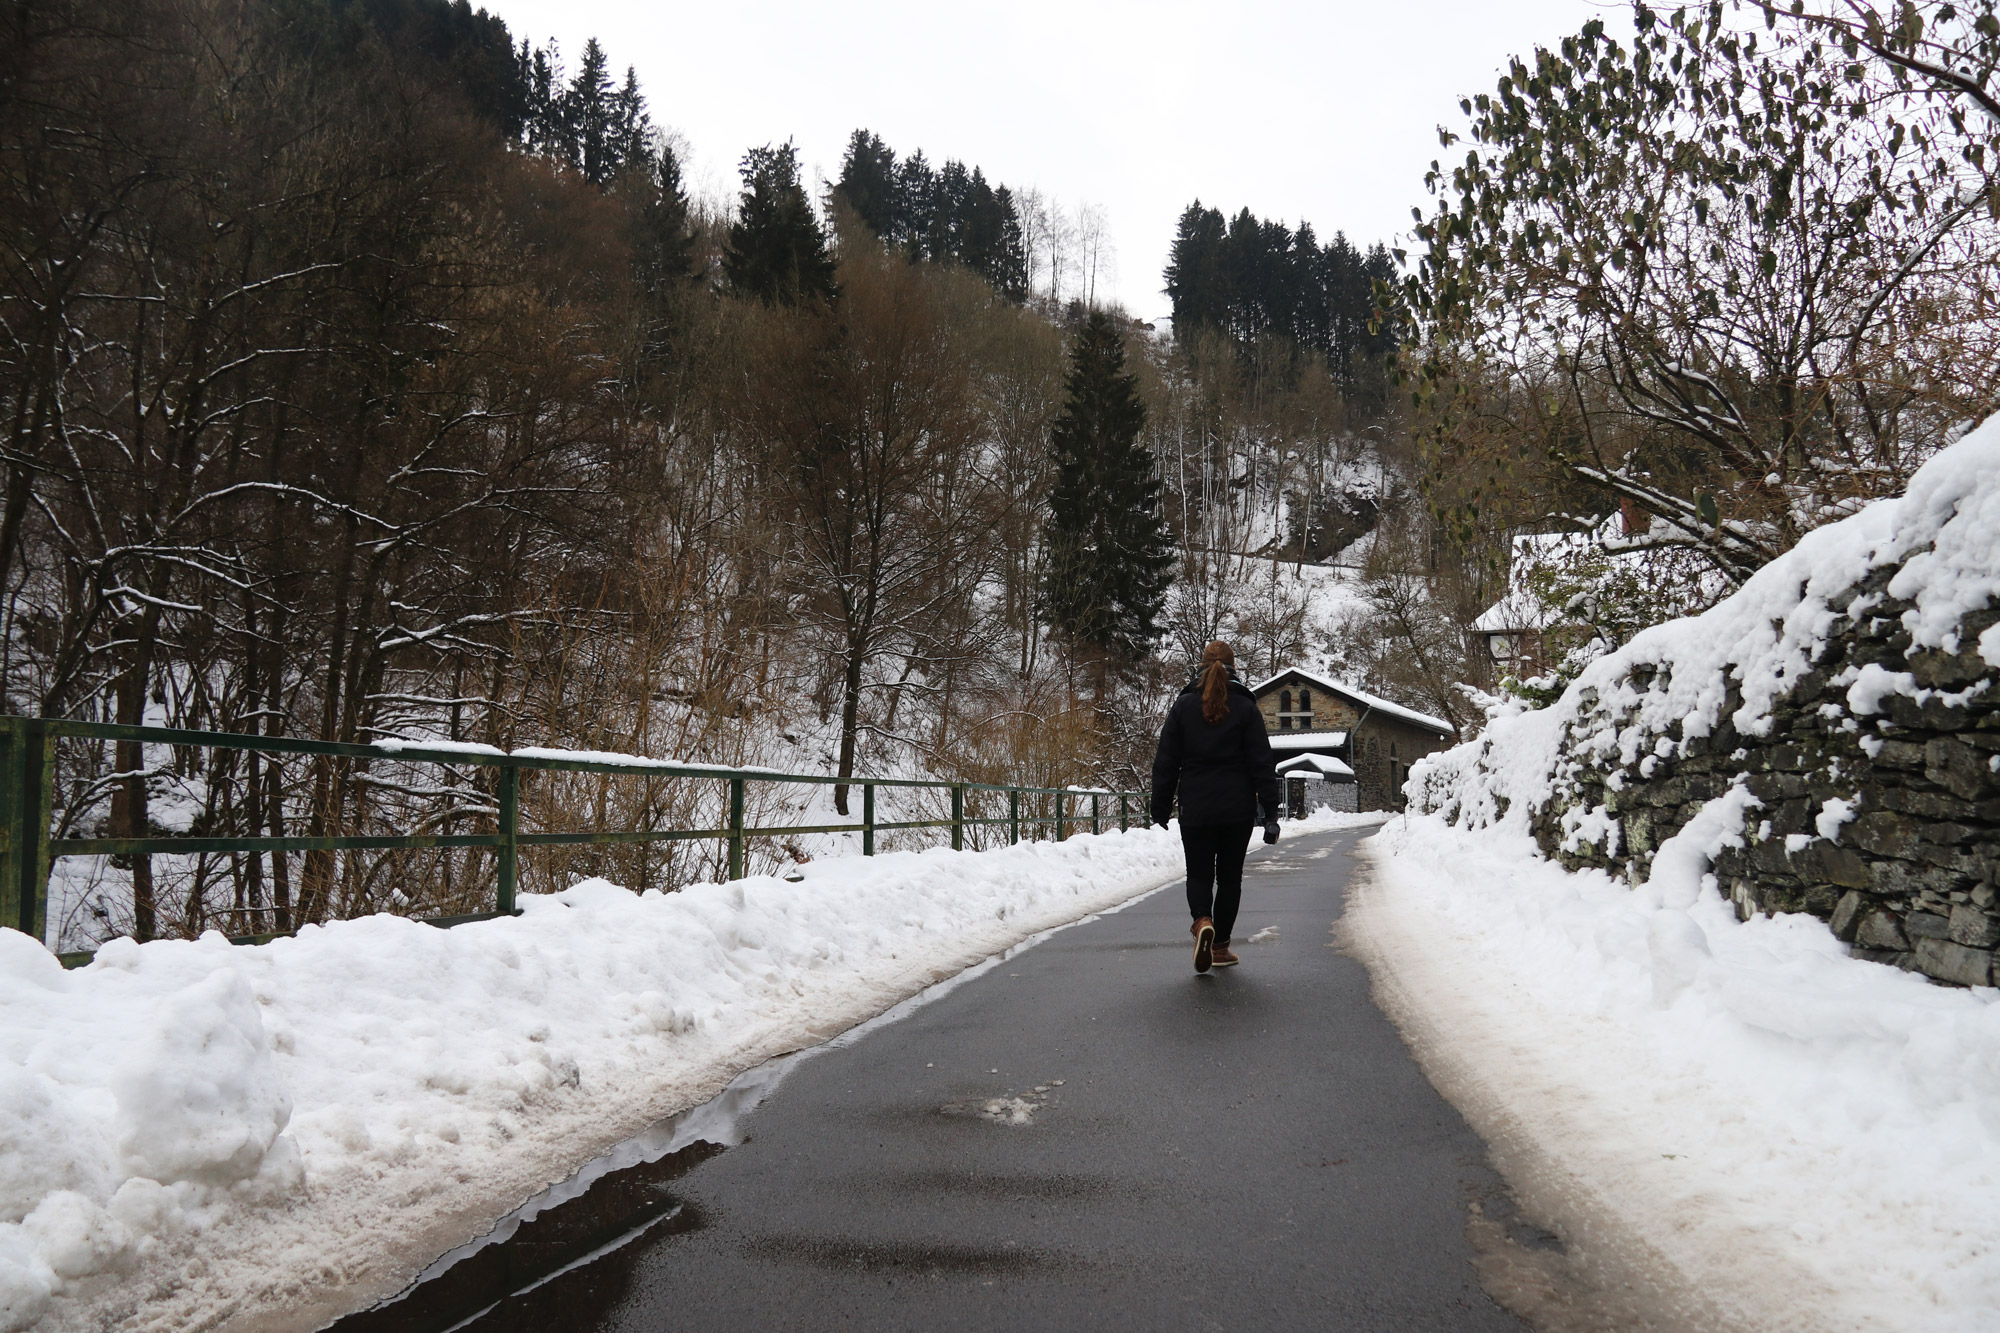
(370, 373)
(367, 372)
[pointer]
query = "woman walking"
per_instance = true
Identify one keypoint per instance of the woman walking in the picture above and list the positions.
(1214, 752)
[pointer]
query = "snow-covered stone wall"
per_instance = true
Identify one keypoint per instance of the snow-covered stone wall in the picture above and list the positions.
(1844, 703)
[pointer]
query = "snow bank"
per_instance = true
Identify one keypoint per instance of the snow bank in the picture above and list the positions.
(1733, 1118)
(1678, 682)
(195, 1131)
(1719, 1108)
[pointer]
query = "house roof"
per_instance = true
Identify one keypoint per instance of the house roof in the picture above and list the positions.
(1308, 740)
(1514, 613)
(1323, 764)
(1521, 609)
(1371, 702)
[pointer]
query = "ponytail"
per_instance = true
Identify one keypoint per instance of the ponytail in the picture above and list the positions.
(1216, 660)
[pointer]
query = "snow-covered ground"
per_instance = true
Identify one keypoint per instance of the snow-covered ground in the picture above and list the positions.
(198, 1134)
(1732, 1124)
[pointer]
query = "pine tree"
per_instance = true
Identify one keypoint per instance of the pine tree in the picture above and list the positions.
(948, 212)
(1109, 555)
(1010, 257)
(592, 116)
(868, 182)
(777, 252)
(546, 119)
(1194, 275)
(631, 128)
(664, 265)
(916, 203)
(663, 242)
(979, 226)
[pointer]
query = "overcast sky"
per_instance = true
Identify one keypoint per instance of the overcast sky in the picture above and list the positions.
(1324, 112)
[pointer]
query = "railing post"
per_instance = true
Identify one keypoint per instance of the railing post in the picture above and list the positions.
(1013, 815)
(510, 833)
(1096, 813)
(958, 816)
(1124, 807)
(1062, 816)
(736, 828)
(868, 819)
(13, 827)
(26, 776)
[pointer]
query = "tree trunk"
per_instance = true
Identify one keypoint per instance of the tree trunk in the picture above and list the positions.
(316, 877)
(850, 724)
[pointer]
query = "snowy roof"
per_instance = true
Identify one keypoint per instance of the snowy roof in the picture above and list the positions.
(1372, 702)
(1520, 608)
(1515, 611)
(1323, 764)
(1308, 740)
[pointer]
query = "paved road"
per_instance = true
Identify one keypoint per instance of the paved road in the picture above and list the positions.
(1253, 1147)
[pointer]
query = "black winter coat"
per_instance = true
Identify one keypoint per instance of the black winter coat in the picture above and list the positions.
(1222, 771)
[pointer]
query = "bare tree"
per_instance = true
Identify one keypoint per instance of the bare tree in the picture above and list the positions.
(867, 426)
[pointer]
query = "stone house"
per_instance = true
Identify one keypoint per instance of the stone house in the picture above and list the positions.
(1376, 740)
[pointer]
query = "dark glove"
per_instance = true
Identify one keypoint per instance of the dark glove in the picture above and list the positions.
(1271, 832)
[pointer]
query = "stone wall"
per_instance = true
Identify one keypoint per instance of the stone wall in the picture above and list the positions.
(1384, 749)
(1878, 800)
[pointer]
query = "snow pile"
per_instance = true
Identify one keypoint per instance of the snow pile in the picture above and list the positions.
(1733, 1118)
(294, 1129)
(1680, 681)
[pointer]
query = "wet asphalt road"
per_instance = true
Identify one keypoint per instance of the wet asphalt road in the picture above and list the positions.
(1252, 1148)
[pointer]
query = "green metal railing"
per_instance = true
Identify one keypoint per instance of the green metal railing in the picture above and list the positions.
(27, 783)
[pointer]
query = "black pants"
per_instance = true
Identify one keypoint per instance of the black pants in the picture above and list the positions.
(1215, 872)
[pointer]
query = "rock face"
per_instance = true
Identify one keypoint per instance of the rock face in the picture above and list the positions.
(1878, 800)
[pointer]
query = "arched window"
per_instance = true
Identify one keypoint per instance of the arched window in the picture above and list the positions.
(1301, 717)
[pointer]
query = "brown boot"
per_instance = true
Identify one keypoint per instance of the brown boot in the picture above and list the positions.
(1224, 958)
(1204, 943)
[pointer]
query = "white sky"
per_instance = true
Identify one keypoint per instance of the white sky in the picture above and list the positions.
(1325, 112)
